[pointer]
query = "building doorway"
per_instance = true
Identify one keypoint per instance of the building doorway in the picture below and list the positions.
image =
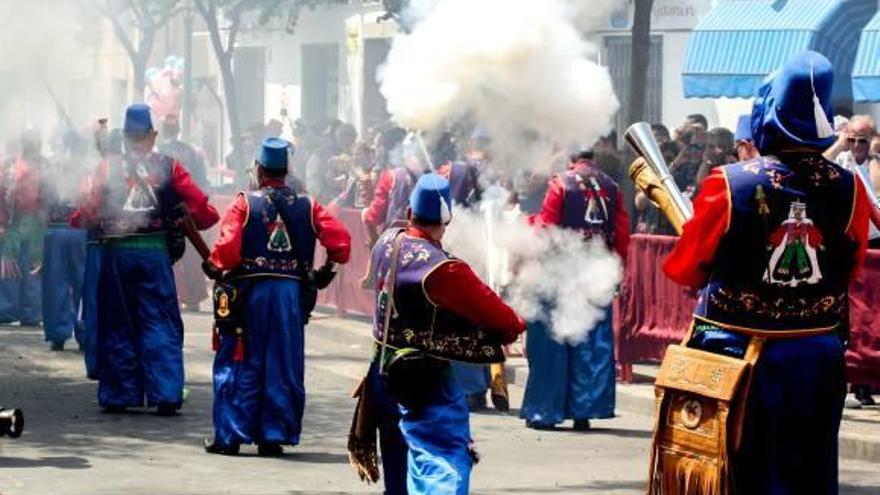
(320, 82)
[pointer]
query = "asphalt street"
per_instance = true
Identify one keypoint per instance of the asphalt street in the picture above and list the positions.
(71, 448)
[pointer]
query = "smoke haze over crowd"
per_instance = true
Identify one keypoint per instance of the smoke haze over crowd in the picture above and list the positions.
(518, 67)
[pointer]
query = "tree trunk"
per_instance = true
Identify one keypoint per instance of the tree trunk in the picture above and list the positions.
(641, 58)
(209, 12)
(232, 105)
(139, 66)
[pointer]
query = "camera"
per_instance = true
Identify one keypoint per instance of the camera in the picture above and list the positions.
(11, 422)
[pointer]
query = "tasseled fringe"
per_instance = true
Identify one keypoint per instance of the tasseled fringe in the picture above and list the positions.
(679, 475)
(363, 452)
(9, 269)
(364, 458)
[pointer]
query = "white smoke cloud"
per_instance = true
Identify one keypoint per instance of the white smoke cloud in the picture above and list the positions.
(549, 274)
(517, 67)
(38, 47)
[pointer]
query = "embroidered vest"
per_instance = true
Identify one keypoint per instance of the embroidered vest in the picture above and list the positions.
(785, 260)
(277, 242)
(138, 198)
(398, 198)
(590, 203)
(417, 322)
(464, 184)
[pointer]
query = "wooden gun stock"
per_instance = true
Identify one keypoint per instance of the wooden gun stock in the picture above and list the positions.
(189, 229)
(647, 181)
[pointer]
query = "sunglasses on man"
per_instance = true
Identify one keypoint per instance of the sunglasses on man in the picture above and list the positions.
(853, 141)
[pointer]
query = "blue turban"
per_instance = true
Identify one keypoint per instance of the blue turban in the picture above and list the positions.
(793, 105)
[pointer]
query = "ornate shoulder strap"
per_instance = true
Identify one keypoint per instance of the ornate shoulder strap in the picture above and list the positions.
(390, 282)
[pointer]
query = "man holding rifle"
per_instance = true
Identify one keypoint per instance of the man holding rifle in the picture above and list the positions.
(773, 244)
(265, 292)
(132, 205)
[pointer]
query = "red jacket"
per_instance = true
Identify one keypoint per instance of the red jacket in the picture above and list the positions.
(455, 287)
(20, 190)
(374, 214)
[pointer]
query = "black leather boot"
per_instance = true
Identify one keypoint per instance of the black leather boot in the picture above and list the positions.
(214, 447)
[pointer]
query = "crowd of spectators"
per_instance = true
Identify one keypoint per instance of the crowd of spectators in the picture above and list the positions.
(691, 153)
(694, 149)
(339, 167)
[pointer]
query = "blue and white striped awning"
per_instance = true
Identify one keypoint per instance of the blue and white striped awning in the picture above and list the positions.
(739, 42)
(866, 72)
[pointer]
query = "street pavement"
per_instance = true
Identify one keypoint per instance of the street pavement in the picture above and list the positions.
(71, 448)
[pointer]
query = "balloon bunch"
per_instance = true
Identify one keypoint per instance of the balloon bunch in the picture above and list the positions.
(164, 87)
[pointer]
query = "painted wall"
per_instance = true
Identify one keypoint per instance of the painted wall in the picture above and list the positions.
(284, 58)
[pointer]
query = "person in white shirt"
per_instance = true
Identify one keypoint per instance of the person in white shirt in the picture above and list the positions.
(852, 151)
(853, 148)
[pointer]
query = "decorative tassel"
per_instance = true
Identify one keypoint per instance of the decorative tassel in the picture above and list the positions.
(215, 339)
(362, 439)
(761, 198)
(239, 347)
(823, 126)
(445, 213)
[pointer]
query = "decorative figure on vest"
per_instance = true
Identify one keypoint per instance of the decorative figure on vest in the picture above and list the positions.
(279, 239)
(139, 328)
(761, 372)
(430, 308)
(264, 294)
(793, 260)
(597, 206)
(141, 196)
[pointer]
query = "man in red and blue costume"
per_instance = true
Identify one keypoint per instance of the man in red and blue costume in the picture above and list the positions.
(64, 256)
(432, 289)
(576, 381)
(773, 245)
(391, 198)
(131, 206)
(464, 177)
(266, 251)
(22, 231)
(466, 192)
